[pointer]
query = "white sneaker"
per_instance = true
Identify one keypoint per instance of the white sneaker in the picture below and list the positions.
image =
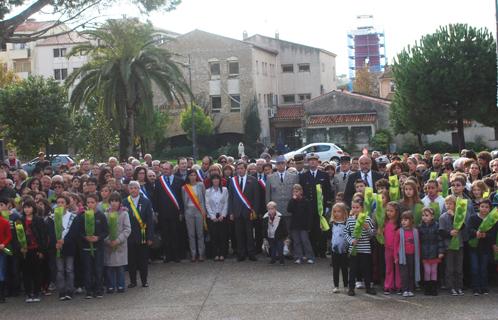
(358, 284)
(410, 294)
(298, 261)
(406, 294)
(335, 290)
(311, 261)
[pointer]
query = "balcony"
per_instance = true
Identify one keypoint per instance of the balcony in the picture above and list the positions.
(17, 54)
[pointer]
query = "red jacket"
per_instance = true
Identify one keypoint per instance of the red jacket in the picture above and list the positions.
(5, 234)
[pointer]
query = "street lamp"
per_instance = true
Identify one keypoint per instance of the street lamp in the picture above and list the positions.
(194, 144)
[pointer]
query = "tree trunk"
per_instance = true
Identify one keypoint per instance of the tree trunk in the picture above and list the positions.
(460, 132)
(420, 143)
(131, 130)
(123, 143)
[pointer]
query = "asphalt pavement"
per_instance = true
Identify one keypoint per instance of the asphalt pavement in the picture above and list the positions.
(251, 290)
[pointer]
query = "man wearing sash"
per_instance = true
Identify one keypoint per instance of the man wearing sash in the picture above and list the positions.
(243, 198)
(262, 177)
(142, 233)
(169, 206)
(308, 181)
(203, 172)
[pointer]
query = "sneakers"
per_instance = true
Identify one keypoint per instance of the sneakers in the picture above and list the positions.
(88, 296)
(387, 292)
(405, 294)
(298, 261)
(460, 292)
(62, 297)
(28, 299)
(411, 294)
(36, 298)
(360, 285)
(69, 296)
(453, 292)
(475, 292)
(311, 261)
(485, 291)
(335, 290)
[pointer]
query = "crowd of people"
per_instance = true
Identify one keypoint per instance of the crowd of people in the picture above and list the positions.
(399, 222)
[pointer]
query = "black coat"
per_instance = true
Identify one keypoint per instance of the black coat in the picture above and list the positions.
(308, 182)
(431, 242)
(281, 232)
(163, 204)
(251, 191)
(71, 239)
(350, 190)
(301, 214)
(39, 231)
(485, 245)
(146, 214)
(101, 230)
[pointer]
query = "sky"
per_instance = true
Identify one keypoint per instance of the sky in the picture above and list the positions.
(320, 23)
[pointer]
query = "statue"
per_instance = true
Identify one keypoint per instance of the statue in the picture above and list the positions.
(241, 150)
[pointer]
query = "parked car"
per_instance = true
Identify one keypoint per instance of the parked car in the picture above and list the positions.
(326, 151)
(56, 160)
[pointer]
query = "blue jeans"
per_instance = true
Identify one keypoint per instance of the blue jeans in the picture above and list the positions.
(94, 270)
(115, 277)
(3, 264)
(479, 268)
(276, 249)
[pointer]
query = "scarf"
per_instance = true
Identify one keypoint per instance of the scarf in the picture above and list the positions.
(402, 255)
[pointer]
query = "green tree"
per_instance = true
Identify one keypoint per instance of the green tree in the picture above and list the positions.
(74, 12)
(35, 114)
(7, 77)
(151, 131)
(381, 140)
(447, 77)
(125, 64)
(203, 122)
(365, 82)
(252, 123)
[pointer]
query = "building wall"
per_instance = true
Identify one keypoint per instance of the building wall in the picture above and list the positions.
(44, 61)
(475, 132)
(204, 48)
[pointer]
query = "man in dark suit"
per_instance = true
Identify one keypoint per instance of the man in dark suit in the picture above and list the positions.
(169, 206)
(308, 181)
(139, 242)
(240, 213)
(366, 174)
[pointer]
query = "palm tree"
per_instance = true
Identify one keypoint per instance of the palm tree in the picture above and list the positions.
(124, 65)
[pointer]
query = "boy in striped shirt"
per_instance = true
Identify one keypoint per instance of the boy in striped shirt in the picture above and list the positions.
(359, 264)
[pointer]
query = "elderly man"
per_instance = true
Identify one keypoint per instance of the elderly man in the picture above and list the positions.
(148, 160)
(343, 173)
(437, 166)
(5, 191)
(279, 189)
(142, 233)
(365, 173)
(113, 162)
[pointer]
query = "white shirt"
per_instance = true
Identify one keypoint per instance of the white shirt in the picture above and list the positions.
(313, 173)
(243, 182)
(281, 175)
(135, 200)
(369, 178)
(216, 202)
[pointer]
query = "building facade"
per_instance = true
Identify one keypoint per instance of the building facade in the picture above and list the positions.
(228, 75)
(44, 57)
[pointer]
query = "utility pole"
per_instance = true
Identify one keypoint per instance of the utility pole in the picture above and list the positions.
(194, 144)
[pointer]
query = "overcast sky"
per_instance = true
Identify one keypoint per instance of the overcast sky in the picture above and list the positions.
(321, 23)
(325, 23)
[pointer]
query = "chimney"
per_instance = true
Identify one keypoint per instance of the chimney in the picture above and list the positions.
(277, 35)
(244, 35)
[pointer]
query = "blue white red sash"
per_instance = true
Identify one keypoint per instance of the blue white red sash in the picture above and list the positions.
(200, 175)
(262, 183)
(239, 192)
(169, 192)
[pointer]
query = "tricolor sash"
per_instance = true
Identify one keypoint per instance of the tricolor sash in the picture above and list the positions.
(262, 183)
(137, 216)
(200, 175)
(243, 198)
(169, 192)
(143, 192)
(195, 200)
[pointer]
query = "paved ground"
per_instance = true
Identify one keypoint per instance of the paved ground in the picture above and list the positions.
(251, 290)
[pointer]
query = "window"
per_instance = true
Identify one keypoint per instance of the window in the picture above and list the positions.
(323, 67)
(233, 68)
(257, 67)
(216, 103)
(3, 46)
(289, 98)
(214, 67)
(234, 103)
(304, 67)
(22, 66)
(304, 96)
(322, 148)
(59, 52)
(392, 86)
(287, 68)
(60, 74)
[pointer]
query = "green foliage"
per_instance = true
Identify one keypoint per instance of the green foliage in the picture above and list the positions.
(252, 124)
(35, 114)
(124, 65)
(439, 146)
(102, 139)
(447, 77)
(381, 140)
(153, 130)
(203, 122)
